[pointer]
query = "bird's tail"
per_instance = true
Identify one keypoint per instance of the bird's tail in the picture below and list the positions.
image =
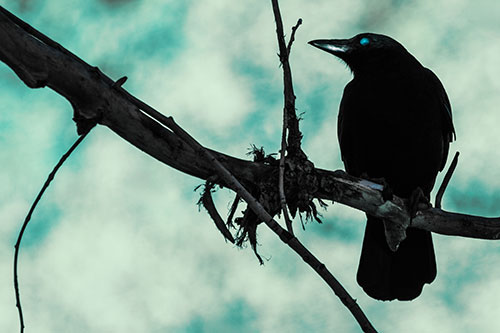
(387, 275)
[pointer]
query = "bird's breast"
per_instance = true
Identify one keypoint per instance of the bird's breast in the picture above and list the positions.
(390, 129)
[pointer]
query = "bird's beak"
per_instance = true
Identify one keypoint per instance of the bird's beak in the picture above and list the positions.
(337, 47)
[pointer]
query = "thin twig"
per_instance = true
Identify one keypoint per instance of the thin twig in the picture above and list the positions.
(28, 218)
(446, 180)
(208, 203)
(294, 134)
(292, 36)
(288, 109)
(281, 181)
(232, 211)
(285, 236)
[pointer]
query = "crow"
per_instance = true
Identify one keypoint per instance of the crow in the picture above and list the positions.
(394, 124)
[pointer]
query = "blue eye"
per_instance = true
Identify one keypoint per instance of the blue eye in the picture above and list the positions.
(364, 41)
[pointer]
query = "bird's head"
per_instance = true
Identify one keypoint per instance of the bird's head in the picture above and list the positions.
(367, 52)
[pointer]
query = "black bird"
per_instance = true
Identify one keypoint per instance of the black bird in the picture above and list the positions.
(394, 123)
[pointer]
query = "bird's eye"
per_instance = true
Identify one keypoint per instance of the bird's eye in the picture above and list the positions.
(364, 41)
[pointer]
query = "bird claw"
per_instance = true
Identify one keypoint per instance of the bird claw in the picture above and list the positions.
(417, 201)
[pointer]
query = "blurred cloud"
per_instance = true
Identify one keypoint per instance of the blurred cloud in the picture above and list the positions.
(117, 243)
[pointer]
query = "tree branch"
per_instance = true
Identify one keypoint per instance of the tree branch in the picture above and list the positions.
(367, 197)
(289, 117)
(91, 95)
(294, 135)
(286, 115)
(292, 144)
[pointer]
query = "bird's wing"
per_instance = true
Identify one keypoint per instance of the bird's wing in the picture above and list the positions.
(449, 134)
(349, 161)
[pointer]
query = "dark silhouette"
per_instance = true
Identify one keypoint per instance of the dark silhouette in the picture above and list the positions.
(394, 123)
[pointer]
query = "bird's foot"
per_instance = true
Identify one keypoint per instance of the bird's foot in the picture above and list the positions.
(417, 201)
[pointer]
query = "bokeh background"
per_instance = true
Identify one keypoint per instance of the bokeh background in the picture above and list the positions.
(118, 244)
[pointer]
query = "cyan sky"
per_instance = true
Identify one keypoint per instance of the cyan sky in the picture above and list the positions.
(117, 244)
